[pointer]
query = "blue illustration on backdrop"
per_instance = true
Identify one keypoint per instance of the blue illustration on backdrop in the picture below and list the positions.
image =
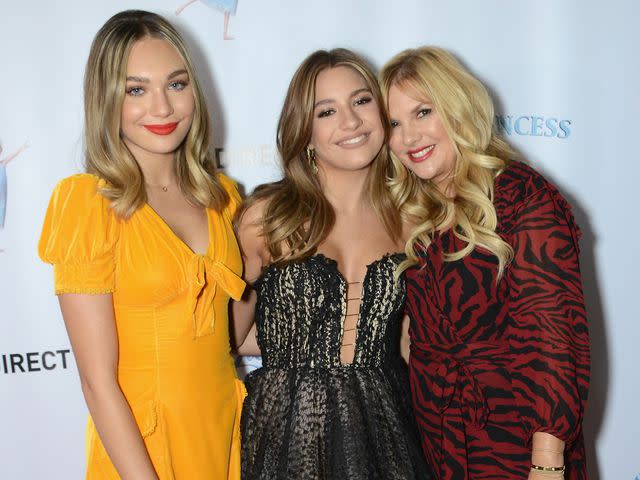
(228, 7)
(3, 181)
(247, 364)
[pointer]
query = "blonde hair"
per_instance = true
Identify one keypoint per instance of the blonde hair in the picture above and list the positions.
(297, 216)
(467, 114)
(106, 155)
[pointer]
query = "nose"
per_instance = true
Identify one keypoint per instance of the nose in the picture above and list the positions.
(160, 104)
(350, 119)
(409, 135)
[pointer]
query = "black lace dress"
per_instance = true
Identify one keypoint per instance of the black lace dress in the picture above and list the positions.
(307, 415)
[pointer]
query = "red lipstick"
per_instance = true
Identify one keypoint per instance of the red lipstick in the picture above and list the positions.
(420, 154)
(164, 129)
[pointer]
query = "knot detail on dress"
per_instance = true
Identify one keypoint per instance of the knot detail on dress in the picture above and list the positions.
(204, 273)
(451, 371)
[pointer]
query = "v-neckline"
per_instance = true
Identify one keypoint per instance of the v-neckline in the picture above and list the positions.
(332, 264)
(177, 237)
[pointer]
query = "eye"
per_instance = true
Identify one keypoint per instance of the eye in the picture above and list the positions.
(135, 91)
(394, 123)
(362, 100)
(423, 112)
(178, 85)
(326, 113)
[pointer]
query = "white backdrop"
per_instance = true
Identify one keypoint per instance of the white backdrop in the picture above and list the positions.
(565, 76)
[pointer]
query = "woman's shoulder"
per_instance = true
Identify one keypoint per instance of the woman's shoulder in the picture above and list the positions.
(231, 188)
(252, 214)
(518, 182)
(81, 183)
(226, 182)
(80, 193)
(521, 188)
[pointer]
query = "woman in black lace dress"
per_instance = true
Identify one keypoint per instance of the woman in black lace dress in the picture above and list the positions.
(331, 400)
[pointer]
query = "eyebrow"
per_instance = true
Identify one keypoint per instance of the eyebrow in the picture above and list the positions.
(353, 94)
(173, 74)
(176, 73)
(421, 105)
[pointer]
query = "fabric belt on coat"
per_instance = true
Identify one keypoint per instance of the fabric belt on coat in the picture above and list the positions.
(451, 369)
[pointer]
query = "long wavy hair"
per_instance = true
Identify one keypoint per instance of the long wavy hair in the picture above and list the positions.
(106, 155)
(297, 216)
(467, 114)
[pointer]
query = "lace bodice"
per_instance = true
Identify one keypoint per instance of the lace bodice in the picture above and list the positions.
(301, 307)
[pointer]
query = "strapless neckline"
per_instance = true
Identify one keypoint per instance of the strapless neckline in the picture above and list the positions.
(329, 262)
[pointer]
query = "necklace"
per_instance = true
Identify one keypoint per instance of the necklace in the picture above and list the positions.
(165, 188)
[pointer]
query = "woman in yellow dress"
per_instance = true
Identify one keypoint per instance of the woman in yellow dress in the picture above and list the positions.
(145, 261)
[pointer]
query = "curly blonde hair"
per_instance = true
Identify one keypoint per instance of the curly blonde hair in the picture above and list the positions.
(467, 115)
(106, 155)
(297, 216)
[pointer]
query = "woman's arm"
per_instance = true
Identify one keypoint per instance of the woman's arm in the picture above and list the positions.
(405, 340)
(251, 241)
(91, 327)
(244, 328)
(550, 341)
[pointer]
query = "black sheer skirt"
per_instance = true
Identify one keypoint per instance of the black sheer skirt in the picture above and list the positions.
(343, 423)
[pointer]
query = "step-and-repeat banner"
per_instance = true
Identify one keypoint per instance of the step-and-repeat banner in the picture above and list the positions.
(565, 77)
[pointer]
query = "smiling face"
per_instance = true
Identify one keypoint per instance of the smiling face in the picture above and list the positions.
(418, 137)
(347, 131)
(158, 106)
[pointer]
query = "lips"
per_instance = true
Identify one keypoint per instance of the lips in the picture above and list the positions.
(354, 141)
(164, 129)
(420, 154)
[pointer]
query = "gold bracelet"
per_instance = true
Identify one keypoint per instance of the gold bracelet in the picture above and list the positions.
(538, 468)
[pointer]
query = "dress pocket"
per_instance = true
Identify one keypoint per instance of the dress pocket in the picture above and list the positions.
(146, 415)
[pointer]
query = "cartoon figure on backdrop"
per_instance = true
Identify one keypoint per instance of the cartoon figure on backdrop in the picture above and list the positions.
(228, 7)
(246, 364)
(145, 261)
(331, 400)
(3, 180)
(499, 361)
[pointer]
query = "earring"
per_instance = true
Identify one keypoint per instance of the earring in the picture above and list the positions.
(311, 159)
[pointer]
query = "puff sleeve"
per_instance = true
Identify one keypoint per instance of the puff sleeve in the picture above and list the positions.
(550, 337)
(79, 237)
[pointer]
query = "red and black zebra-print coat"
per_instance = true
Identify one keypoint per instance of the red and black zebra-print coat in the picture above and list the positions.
(492, 363)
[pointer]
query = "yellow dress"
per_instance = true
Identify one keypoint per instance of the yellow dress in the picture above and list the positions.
(170, 306)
